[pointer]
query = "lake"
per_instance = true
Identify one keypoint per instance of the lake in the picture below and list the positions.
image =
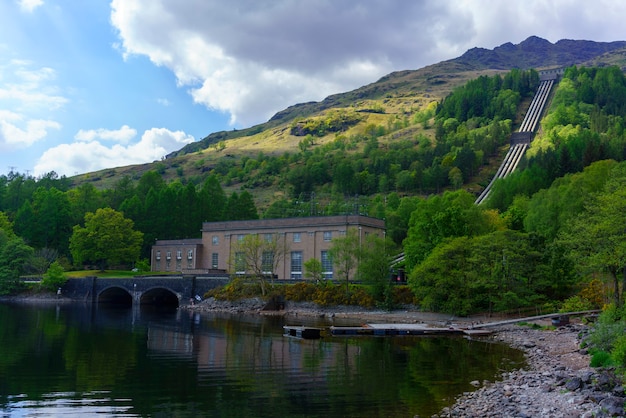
(74, 360)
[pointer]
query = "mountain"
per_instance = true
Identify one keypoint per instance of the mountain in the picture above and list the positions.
(534, 52)
(398, 95)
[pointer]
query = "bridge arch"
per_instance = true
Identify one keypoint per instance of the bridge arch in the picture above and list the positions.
(115, 295)
(160, 296)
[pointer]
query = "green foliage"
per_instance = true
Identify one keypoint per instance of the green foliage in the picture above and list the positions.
(374, 269)
(345, 254)
(54, 278)
(334, 121)
(596, 238)
(313, 269)
(494, 272)
(608, 328)
(237, 288)
(143, 265)
(489, 97)
(324, 293)
(601, 359)
(15, 257)
(452, 214)
(577, 304)
(107, 238)
(618, 353)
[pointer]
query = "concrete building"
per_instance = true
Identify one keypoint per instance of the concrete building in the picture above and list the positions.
(300, 239)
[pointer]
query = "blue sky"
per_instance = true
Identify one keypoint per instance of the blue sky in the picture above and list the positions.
(87, 85)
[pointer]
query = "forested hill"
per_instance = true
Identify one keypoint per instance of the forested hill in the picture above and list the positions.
(440, 78)
(415, 149)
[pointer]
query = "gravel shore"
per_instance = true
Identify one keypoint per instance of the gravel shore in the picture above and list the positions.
(557, 383)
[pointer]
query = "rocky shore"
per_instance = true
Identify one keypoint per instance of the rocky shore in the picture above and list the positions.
(557, 383)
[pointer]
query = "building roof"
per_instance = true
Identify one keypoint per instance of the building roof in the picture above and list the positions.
(303, 222)
(171, 242)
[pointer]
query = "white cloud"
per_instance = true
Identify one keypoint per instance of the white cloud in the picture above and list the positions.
(27, 98)
(25, 88)
(251, 59)
(88, 155)
(122, 135)
(16, 133)
(29, 5)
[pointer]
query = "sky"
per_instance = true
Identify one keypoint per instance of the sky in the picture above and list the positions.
(89, 85)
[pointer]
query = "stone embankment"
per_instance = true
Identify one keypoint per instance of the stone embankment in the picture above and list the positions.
(557, 383)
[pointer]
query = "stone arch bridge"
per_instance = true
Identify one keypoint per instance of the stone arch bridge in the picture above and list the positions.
(142, 290)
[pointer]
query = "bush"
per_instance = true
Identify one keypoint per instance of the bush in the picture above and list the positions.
(238, 288)
(54, 278)
(618, 353)
(601, 359)
(576, 304)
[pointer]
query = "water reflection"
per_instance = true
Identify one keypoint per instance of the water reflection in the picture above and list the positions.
(77, 360)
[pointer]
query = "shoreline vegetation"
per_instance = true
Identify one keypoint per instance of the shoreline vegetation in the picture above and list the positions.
(557, 381)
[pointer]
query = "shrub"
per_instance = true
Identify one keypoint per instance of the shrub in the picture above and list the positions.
(577, 303)
(618, 353)
(54, 278)
(601, 359)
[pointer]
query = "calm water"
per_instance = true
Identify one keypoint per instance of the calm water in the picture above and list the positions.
(68, 360)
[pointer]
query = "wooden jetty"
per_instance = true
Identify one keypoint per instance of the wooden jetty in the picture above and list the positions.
(404, 329)
(475, 330)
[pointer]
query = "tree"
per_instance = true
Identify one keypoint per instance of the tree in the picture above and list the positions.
(313, 269)
(107, 238)
(597, 237)
(54, 278)
(240, 207)
(260, 254)
(453, 214)
(344, 252)
(15, 257)
(374, 268)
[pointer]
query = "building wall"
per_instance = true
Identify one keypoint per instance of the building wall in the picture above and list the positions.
(190, 252)
(314, 233)
(308, 236)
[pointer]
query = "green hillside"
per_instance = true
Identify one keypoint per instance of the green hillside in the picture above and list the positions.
(413, 148)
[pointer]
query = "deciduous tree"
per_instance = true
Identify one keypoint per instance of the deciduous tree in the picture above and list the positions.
(107, 238)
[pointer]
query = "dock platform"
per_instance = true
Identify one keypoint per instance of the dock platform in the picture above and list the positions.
(404, 329)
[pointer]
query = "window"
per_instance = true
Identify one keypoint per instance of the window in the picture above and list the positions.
(168, 255)
(296, 237)
(267, 262)
(240, 263)
(240, 238)
(268, 237)
(327, 265)
(214, 260)
(216, 240)
(328, 236)
(158, 255)
(189, 254)
(179, 254)
(296, 264)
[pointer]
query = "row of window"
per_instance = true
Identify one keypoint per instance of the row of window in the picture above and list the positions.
(179, 255)
(296, 237)
(267, 264)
